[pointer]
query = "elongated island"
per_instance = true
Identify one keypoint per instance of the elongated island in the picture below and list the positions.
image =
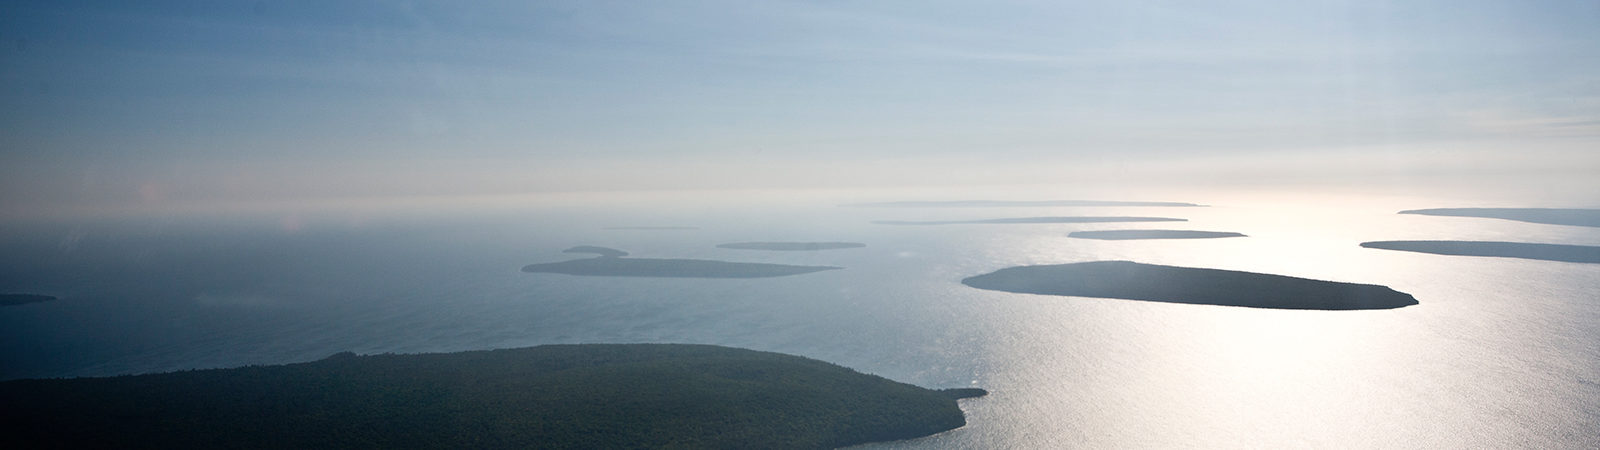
(613, 263)
(1552, 216)
(791, 246)
(1126, 235)
(1032, 220)
(555, 396)
(1523, 250)
(1011, 203)
(1171, 284)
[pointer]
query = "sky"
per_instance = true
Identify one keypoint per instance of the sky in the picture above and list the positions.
(170, 102)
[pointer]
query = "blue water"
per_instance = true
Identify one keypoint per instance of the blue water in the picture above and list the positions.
(1500, 352)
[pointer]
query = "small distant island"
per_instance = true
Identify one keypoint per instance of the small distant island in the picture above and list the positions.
(1031, 220)
(23, 299)
(1523, 250)
(604, 252)
(555, 396)
(1011, 203)
(1170, 284)
(611, 263)
(1119, 235)
(1550, 216)
(791, 246)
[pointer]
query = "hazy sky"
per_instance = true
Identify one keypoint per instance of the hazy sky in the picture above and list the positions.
(159, 101)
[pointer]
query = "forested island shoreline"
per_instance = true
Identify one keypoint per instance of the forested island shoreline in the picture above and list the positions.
(554, 396)
(1197, 286)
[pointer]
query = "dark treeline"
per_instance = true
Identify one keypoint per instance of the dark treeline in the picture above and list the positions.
(561, 396)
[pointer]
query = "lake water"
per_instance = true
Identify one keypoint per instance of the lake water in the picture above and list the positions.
(1500, 352)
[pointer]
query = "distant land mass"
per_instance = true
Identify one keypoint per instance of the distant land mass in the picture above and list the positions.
(1552, 216)
(611, 263)
(791, 246)
(1118, 235)
(1010, 203)
(1170, 284)
(23, 299)
(652, 228)
(1545, 252)
(554, 396)
(1024, 220)
(602, 251)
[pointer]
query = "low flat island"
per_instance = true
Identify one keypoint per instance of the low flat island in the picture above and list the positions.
(1523, 250)
(1551, 216)
(555, 396)
(1122, 235)
(1032, 220)
(1012, 203)
(791, 246)
(1170, 284)
(23, 299)
(605, 252)
(611, 263)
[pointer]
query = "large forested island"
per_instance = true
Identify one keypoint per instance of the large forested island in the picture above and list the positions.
(1170, 284)
(557, 396)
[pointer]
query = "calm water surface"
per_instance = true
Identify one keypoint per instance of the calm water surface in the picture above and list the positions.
(1500, 352)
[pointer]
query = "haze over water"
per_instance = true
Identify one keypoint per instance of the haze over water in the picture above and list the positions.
(1498, 352)
(217, 184)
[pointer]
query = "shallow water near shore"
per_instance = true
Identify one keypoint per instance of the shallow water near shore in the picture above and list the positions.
(1499, 353)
